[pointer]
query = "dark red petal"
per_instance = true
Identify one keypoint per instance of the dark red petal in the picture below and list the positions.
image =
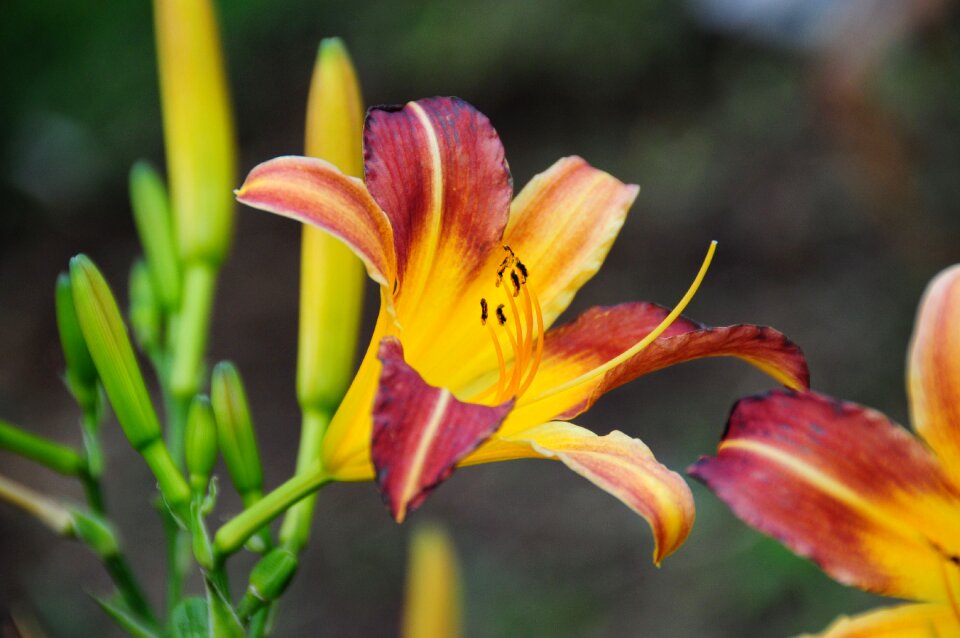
(420, 432)
(437, 168)
(602, 333)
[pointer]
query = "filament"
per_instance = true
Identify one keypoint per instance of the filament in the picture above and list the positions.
(643, 343)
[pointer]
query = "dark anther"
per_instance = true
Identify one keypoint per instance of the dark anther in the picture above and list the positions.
(501, 318)
(523, 271)
(483, 311)
(509, 250)
(516, 282)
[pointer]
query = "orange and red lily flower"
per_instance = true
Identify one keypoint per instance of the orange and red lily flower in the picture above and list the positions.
(463, 366)
(874, 506)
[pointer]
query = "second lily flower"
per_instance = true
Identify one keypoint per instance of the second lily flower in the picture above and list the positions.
(463, 366)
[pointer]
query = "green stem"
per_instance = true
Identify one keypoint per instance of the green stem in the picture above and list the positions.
(59, 458)
(177, 566)
(128, 586)
(193, 323)
(238, 530)
(295, 530)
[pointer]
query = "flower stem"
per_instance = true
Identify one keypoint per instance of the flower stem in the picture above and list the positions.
(235, 532)
(193, 322)
(295, 530)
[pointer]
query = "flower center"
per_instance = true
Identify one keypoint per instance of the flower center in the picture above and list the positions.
(522, 326)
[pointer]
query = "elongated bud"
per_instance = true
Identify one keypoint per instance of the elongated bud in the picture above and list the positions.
(238, 444)
(58, 458)
(112, 353)
(201, 444)
(268, 580)
(81, 372)
(146, 317)
(198, 127)
(110, 348)
(331, 276)
(432, 605)
(151, 212)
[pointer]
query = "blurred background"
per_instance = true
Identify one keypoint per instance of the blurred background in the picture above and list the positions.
(818, 141)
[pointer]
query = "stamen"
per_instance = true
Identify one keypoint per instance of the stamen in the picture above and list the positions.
(501, 318)
(520, 341)
(483, 311)
(516, 282)
(523, 271)
(643, 343)
(538, 356)
(501, 380)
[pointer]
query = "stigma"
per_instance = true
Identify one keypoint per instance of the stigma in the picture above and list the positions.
(520, 320)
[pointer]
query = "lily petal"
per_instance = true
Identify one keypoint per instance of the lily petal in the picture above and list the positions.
(623, 466)
(573, 350)
(933, 375)
(900, 621)
(420, 432)
(562, 225)
(314, 191)
(844, 486)
(437, 169)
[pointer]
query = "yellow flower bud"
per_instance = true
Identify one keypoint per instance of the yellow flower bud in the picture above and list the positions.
(198, 127)
(331, 276)
(432, 605)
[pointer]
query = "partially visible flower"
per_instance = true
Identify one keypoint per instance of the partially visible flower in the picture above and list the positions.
(872, 505)
(463, 367)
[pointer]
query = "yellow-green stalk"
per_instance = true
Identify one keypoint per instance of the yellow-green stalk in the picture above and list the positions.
(200, 147)
(432, 605)
(109, 344)
(331, 277)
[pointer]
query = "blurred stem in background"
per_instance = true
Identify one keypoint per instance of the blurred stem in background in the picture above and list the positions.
(433, 600)
(331, 276)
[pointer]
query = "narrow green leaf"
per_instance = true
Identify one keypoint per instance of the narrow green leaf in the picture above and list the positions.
(224, 622)
(130, 622)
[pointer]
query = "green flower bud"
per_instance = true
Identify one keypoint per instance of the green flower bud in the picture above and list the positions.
(96, 533)
(112, 353)
(109, 344)
(145, 313)
(201, 445)
(268, 580)
(238, 443)
(81, 372)
(151, 212)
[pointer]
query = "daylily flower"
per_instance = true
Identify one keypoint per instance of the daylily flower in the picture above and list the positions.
(874, 506)
(463, 366)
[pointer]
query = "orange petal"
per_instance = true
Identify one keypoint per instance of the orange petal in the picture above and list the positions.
(437, 169)
(900, 621)
(933, 377)
(562, 225)
(315, 192)
(420, 432)
(616, 463)
(600, 334)
(845, 487)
